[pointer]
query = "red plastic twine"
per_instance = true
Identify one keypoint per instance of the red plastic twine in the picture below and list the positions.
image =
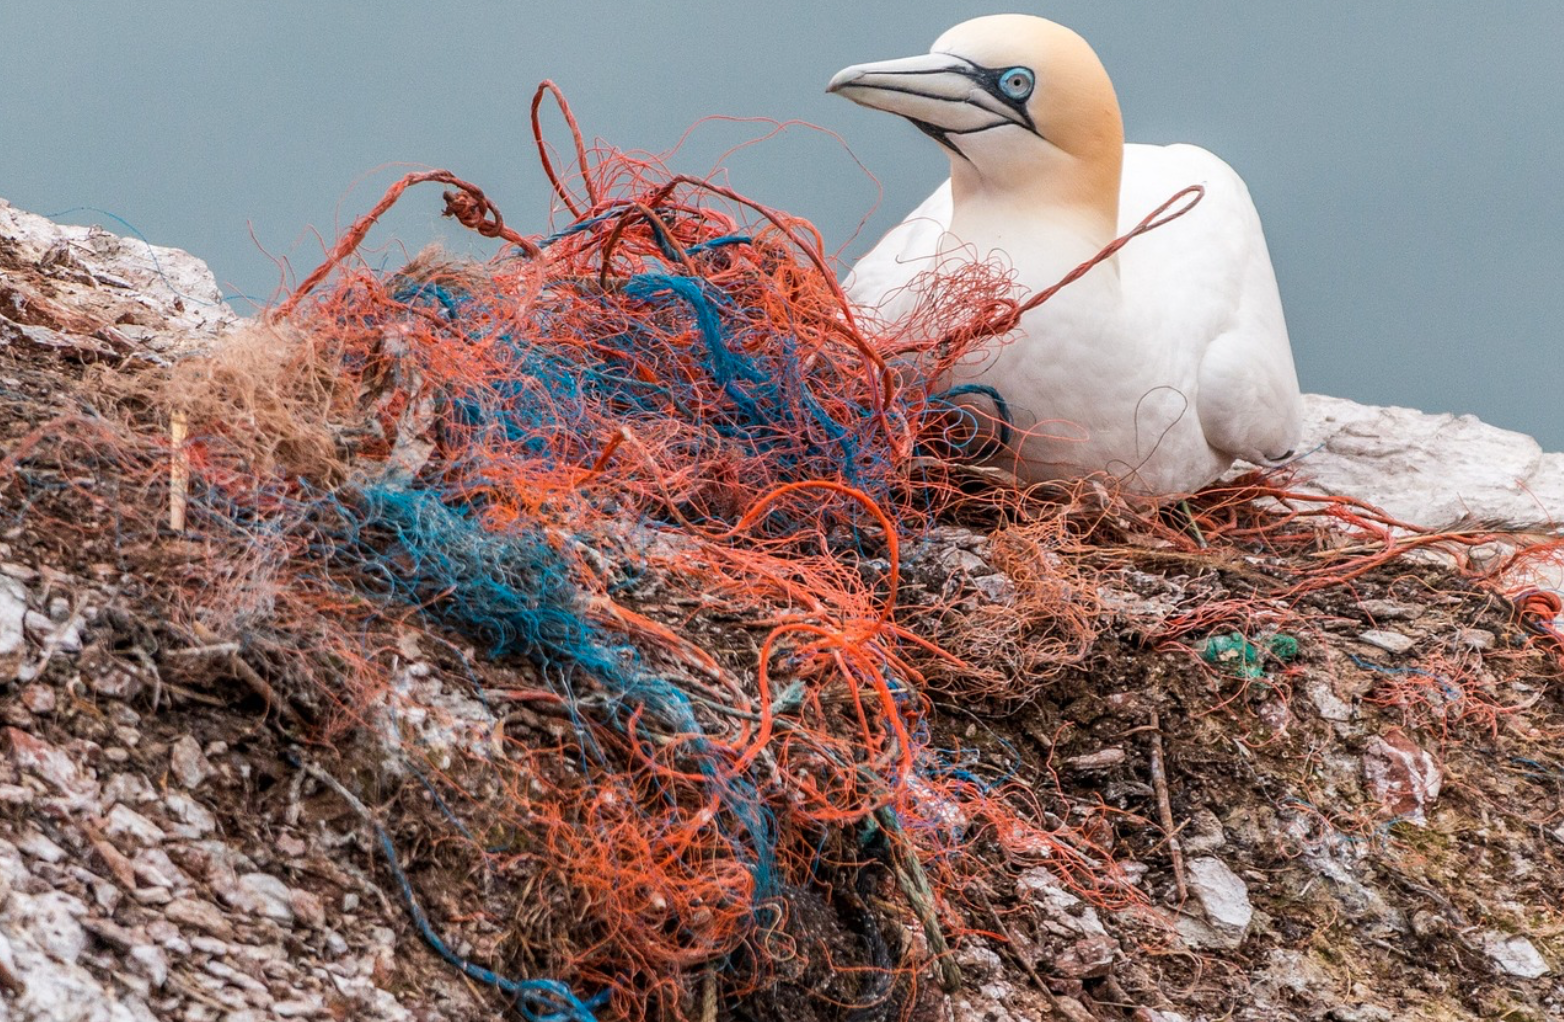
(1159, 217)
(547, 87)
(467, 204)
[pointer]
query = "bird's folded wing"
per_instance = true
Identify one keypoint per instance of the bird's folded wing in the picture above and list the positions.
(1208, 277)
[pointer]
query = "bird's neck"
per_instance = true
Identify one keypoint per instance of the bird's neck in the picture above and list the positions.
(1074, 193)
(1045, 225)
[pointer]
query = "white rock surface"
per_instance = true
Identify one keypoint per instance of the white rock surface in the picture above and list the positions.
(1428, 469)
(13, 634)
(146, 292)
(263, 894)
(41, 941)
(188, 764)
(1437, 470)
(1390, 642)
(38, 757)
(1063, 913)
(443, 721)
(1224, 900)
(132, 827)
(1325, 700)
(1514, 955)
(195, 821)
(51, 920)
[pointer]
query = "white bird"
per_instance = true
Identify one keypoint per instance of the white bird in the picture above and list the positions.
(1164, 363)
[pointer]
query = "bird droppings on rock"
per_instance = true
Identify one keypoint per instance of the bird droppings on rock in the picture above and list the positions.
(59, 770)
(13, 630)
(1326, 702)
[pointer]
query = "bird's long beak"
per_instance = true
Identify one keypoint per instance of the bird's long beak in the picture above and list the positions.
(935, 91)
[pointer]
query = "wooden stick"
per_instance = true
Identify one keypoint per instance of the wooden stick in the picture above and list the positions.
(1159, 779)
(178, 472)
(709, 996)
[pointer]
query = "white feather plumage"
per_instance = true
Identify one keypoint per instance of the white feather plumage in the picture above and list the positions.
(1159, 367)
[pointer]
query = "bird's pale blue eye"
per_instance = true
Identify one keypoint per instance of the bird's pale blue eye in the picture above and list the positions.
(1017, 83)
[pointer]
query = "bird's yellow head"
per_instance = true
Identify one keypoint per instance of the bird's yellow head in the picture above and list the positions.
(1020, 103)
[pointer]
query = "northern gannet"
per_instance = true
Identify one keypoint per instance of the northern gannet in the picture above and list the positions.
(1160, 366)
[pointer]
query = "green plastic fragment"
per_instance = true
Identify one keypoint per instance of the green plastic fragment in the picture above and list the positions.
(1284, 647)
(1235, 652)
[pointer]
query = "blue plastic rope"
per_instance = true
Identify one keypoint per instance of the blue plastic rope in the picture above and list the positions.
(539, 1000)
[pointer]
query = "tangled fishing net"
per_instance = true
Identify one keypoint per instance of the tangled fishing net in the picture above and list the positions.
(550, 479)
(575, 460)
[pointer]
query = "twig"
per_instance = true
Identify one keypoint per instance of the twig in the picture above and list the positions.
(195, 993)
(158, 684)
(1168, 836)
(112, 857)
(364, 814)
(1399, 952)
(1159, 780)
(217, 649)
(1194, 525)
(191, 694)
(262, 687)
(353, 801)
(1015, 953)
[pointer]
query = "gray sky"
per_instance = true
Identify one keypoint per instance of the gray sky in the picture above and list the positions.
(1408, 160)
